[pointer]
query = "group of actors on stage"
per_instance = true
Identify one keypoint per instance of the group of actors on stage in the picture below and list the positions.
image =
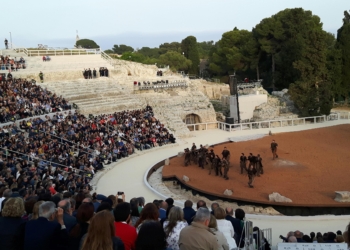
(203, 155)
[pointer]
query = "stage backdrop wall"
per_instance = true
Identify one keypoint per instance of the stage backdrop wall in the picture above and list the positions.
(247, 104)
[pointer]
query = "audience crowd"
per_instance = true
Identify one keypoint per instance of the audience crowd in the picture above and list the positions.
(67, 149)
(20, 98)
(328, 237)
(10, 63)
(78, 220)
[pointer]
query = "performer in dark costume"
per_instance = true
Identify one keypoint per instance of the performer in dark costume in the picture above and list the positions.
(251, 175)
(211, 157)
(259, 166)
(274, 146)
(243, 163)
(226, 166)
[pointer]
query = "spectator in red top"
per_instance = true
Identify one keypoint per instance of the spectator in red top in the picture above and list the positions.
(52, 189)
(123, 230)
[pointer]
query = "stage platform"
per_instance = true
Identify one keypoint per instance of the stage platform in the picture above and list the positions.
(312, 165)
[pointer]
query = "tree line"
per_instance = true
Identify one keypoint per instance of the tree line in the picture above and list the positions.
(287, 50)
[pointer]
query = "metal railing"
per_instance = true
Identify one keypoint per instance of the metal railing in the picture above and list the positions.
(270, 123)
(109, 59)
(59, 52)
(29, 158)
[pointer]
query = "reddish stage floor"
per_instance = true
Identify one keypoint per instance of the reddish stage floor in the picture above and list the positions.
(312, 165)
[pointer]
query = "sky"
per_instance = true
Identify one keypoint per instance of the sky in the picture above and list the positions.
(147, 23)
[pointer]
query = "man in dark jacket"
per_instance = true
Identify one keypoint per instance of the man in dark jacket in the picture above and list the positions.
(68, 219)
(237, 224)
(45, 233)
(189, 212)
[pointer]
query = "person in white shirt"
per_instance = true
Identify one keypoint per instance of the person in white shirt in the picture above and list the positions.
(225, 226)
(173, 227)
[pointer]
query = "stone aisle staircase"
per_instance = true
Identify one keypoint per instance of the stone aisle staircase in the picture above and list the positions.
(97, 96)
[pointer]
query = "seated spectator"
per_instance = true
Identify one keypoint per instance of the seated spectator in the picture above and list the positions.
(101, 233)
(163, 206)
(151, 236)
(84, 216)
(189, 212)
(225, 226)
(292, 239)
(11, 224)
(45, 232)
(238, 227)
(213, 226)
(331, 237)
(35, 214)
(68, 219)
(123, 230)
(135, 214)
(148, 213)
(299, 236)
(173, 227)
(197, 235)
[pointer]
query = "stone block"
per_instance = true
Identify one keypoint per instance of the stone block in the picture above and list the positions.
(342, 196)
(185, 178)
(276, 197)
(166, 162)
(228, 192)
(180, 154)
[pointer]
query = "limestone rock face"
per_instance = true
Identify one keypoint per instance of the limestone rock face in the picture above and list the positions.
(342, 196)
(185, 178)
(276, 197)
(228, 192)
(180, 154)
(167, 162)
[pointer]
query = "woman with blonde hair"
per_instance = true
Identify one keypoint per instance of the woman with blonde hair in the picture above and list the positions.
(35, 214)
(101, 233)
(12, 224)
(173, 227)
(213, 226)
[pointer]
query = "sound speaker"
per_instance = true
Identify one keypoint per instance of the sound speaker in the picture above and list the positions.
(230, 120)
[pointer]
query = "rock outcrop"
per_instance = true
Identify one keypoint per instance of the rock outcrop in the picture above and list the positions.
(342, 196)
(276, 197)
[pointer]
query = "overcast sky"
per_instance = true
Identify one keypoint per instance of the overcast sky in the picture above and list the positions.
(146, 22)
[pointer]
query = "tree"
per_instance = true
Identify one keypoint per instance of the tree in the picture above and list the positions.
(175, 60)
(334, 67)
(311, 93)
(149, 52)
(235, 52)
(190, 49)
(343, 43)
(86, 44)
(174, 46)
(122, 48)
(133, 56)
(204, 49)
(109, 51)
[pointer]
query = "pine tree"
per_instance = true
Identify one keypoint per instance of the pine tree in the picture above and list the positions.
(189, 47)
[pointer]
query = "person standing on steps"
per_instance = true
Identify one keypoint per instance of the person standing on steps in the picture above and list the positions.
(6, 44)
(94, 73)
(41, 76)
(274, 146)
